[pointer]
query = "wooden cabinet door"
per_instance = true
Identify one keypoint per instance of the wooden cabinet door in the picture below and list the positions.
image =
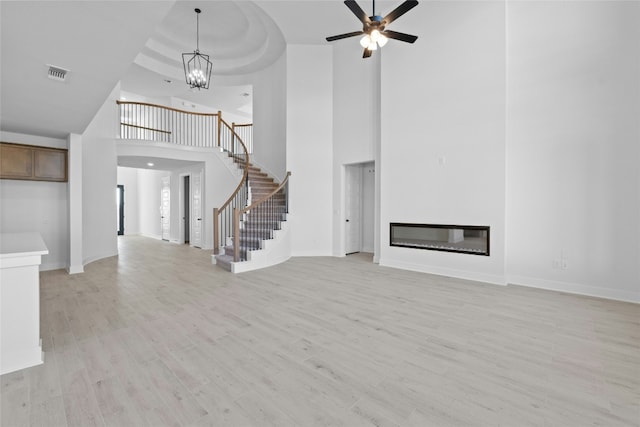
(17, 162)
(50, 165)
(30, 162)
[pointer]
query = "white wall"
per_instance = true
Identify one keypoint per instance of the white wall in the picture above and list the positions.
(99, 172)
(443, 133)
(309, 148)
(41, 207)
(129, 178)
(353, 129)
(574, 147)
(270, 118)
(368, 207)
(74, 196)
(37, 206)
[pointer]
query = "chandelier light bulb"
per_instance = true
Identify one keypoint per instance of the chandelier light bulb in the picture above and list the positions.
(382, 40)
(365, 41)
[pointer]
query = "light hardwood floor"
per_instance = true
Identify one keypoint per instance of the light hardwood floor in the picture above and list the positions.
(158, 336)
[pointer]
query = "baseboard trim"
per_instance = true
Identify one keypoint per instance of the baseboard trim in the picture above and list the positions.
(53, 266)
(575, 288)
(75, 269)
(448, 272)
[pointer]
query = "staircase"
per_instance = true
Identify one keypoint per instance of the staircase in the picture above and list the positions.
(258, 225)
(249, 229)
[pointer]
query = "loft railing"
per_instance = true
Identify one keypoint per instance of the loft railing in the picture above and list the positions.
(151, 122)
(245, 131)
(256, 222)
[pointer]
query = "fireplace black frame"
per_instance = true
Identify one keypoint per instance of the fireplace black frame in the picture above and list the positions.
(438, 245)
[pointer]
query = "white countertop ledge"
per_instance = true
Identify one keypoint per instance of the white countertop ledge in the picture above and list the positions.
(21, 245)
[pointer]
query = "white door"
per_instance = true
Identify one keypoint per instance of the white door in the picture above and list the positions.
(353, 209)
(196, 209)
(165, 208)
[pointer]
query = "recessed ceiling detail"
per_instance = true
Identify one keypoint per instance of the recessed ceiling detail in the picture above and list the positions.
(239, 36)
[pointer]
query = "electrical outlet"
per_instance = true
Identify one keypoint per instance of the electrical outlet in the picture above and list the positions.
(564, 264)
(556, 263)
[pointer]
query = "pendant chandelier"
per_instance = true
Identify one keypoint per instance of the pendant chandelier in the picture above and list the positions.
(197, 67)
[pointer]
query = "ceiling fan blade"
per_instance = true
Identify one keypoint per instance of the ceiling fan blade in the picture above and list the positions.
(399, 11)
(344, 36)
(367, 53)
(357, 10)
(400, 36)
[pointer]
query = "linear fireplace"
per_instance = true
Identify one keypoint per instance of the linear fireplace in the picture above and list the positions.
(466, 239)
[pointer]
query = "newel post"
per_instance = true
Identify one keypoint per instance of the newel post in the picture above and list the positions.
(236, 235)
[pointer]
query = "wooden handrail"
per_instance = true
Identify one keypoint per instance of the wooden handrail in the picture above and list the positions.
(166, 108)
(246, 168)
(245, 176)
(268, 196)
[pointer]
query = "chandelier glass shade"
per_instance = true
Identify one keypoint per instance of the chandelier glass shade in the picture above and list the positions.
(197, 66)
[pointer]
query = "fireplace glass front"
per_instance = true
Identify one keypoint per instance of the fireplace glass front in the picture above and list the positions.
(467, 239)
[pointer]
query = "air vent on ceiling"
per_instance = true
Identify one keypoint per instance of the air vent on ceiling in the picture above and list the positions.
(57, 73)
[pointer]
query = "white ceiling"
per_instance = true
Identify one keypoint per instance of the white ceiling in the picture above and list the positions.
(95, 40)
(139, 43)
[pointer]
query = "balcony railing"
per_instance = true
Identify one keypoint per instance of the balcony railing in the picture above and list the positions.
(151, 122)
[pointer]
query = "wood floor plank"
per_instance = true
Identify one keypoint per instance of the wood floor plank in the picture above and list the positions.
(48, 413)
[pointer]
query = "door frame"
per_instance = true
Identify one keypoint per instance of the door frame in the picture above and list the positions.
(352, 176)
(181, 213)
(120, 190)
(372, 205)
(163, 180)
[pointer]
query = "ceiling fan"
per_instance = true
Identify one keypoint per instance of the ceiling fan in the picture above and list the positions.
(374, 27)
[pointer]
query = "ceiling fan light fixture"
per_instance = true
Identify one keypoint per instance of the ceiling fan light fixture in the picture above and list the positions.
(374, 32)
(382, 40)
(374, 40)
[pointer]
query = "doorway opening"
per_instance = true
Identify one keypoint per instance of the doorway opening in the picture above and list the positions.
(359, 204)
(186, 202)
(165, 209)
(120, 207)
